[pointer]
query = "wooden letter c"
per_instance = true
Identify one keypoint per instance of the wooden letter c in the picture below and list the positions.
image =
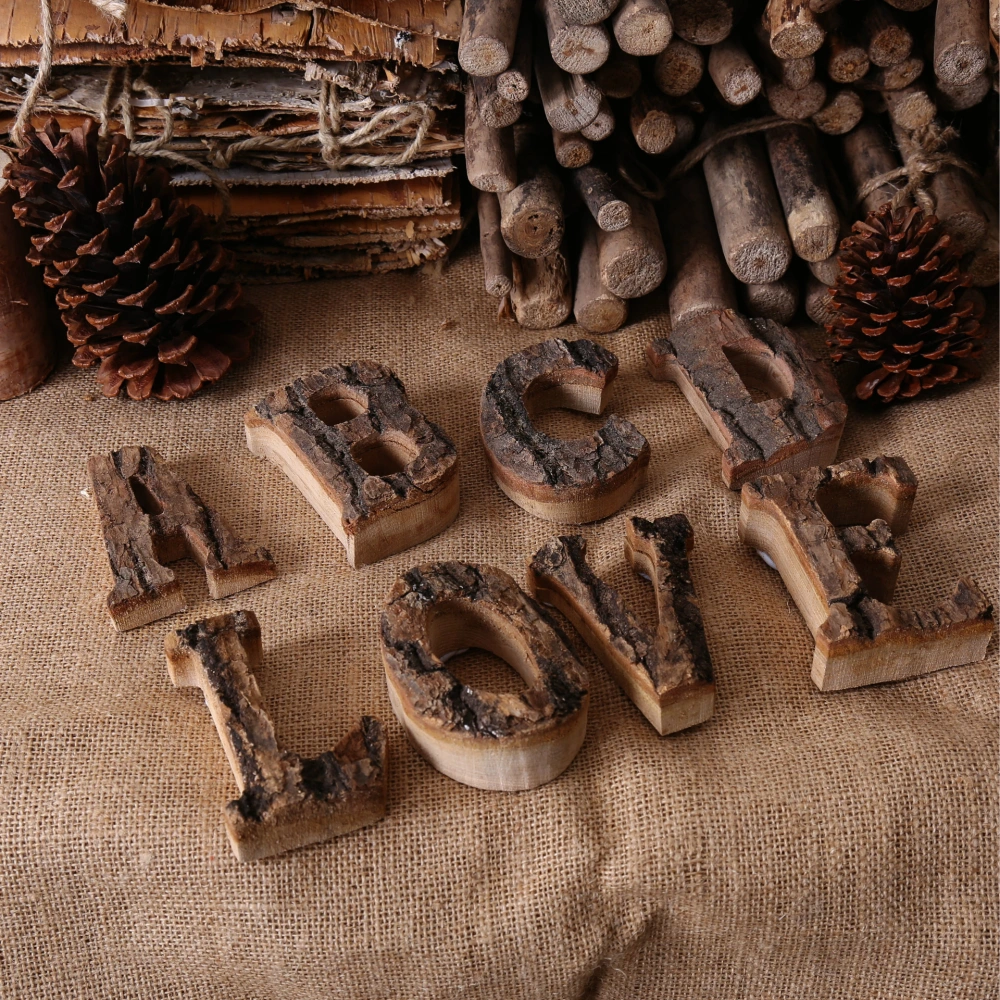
(572, 482)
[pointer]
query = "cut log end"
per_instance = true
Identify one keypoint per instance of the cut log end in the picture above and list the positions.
(741, 86)
(814, 242)
(840, 114)
(702, 22)
(614, 215)
(797, 40)
(572, 149)
(678, 68)
(778, 300)
(911, 107)
(760, 261)
(796, 105)
(483, 56)
(656, 132)
(962, 63)
(643, 27)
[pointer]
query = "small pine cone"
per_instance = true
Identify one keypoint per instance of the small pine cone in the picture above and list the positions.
(139, 287)
(901, 307)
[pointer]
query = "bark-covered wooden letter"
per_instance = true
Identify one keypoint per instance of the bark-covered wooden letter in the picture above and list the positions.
(766, 399)
(829, 533)
(507, 742)
(286, 801)
(568, 481)
(379, 473)
(149, 517)
(668, 674)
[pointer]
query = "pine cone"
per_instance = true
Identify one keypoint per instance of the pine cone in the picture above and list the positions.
(139, 286)
(901, 308)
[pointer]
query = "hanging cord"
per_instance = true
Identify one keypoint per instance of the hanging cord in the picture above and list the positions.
(115, 9)
(112, 94)
(41, 80)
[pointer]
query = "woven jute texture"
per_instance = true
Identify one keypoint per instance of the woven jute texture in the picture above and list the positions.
(796, 845)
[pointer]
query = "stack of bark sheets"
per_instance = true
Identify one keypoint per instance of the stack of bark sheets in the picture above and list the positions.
(237, 70)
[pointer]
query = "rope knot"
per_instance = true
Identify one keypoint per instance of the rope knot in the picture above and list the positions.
(928, 156)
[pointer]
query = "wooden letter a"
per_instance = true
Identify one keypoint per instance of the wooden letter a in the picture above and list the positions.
(149, 517)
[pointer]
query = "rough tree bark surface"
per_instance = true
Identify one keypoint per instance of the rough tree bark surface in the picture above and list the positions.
(286, 801)
(324, 459)
(671, 668)
(800, 425)
(481, 738)
(529, 464)
(149, 517)
(860, 639)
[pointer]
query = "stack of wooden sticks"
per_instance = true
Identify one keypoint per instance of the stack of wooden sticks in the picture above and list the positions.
(580, 115)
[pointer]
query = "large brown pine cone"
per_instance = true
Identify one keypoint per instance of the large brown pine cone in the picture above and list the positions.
(901, 308)
(139, 287)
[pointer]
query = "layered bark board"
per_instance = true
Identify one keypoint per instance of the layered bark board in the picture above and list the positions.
(324, 429)
(286, 801)
(829, 533)
(441, 18)
(568, 481)
(408, 196)
(153, 32)
(721, 361)
(667, 674)
(149, 517)
(219, 102)
(505, 742)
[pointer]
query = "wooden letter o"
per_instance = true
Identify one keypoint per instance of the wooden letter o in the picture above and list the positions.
(504, 742)
(572, 482)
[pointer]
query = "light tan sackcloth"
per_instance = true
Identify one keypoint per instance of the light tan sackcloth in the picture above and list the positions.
(798, 845)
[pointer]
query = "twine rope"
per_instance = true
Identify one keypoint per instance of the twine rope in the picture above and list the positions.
(930, 156)
(329, 138)
(118, 95)
(724, 135)
(332, 141)
(41, 80)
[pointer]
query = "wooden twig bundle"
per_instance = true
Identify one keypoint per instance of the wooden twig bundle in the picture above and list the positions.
(626, 89)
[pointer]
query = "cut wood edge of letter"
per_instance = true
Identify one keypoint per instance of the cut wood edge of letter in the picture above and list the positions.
(570, 482)
(797, 429)
(286, 801)
(149, 517)
(667, 675)
(860, 640)
(500, 742)
(373, 516)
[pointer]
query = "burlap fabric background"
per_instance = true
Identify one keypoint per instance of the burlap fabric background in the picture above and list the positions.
(797, 845)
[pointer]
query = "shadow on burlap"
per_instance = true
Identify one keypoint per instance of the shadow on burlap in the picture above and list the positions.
(796, 845)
